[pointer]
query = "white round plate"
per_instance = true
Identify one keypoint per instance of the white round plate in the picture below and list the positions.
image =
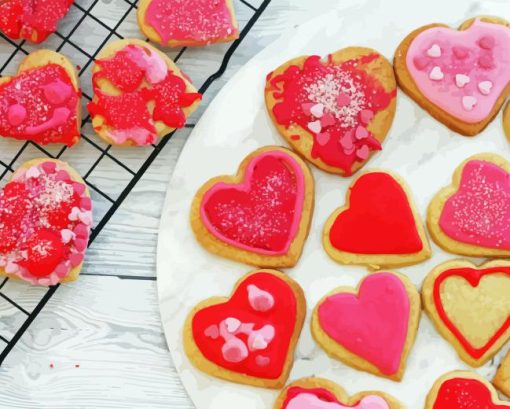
(420, 149)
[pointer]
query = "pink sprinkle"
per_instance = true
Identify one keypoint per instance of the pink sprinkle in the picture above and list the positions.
(486, 42)
(76, 259)
(363, 152)
(62, 175)
(366, 116)
(212, 332)
(79, 188)
(81, 230)
(49, 167)
(346, 141)
(460, 52)
(323, 138)
(485, 61)
(328, 120)
(16, 114)
(62, 270)
(262, 360)
(361, 132)
(306, 107)
(421, 62)
(86, 203)
(80, 244)
(315, 126)
(343, 100)
(317, 110)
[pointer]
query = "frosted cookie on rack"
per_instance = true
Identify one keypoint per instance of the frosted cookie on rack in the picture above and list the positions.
(176, 23)
(41, 103)
(462, 390)
(378, 226)
(262, 215)
(470, 307)
(32, 20)
(461, 77)
(336, 111)
(248, 338)
(472, 215)
(502, 378)
(371, 328)
(45, 223)
(319, 393)
(139, 94)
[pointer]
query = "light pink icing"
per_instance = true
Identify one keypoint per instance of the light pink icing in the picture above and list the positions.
(245, 186)
(202, 21)
(479, 212)
(259, 300)
(481, 53)
(311, 401)
(140, 136)
(150, 61)
(373, 324)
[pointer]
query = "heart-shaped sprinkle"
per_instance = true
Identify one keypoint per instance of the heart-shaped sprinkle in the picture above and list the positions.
(361, 132)
(323, 138)
(317, 110)
(486, 61)
(468, 102)
(307, 107)
(315, 126)
(366, 116)
(232, 324)
(260, 300)
(460, 52)
(328, 120)
(421, 62)
(436, 74)
(343, 100)
(487, 42)
(434, 51)
(461, 80)
(67, 235)
(485, 87)
(212, 332)
(363, 152)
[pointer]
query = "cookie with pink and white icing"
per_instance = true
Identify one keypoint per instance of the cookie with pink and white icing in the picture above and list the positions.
(45, 223)
(176, 23)
(249, 337)
(319, 393)
(371, 328)
(262, 215)
(461, 77)
(472, 215)
(140, 95)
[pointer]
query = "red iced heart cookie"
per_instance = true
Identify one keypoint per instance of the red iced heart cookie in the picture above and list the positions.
(250, 337)
(45, 221)
(372, 328)
(378, 226)
(335, 112)
(318, 393)
(461, 77)
(32, 20)
(472, 215)
(470, 307)
(463, 390)
(42, 102)
(176, 23)
(262, 215)
(139, 94)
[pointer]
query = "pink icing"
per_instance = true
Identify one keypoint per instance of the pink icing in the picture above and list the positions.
(245, 187)
(373, 324)
(260, 300)
(202, 21)
(59, 117)
(150, 61)
(311, 401)
(482, 53)
(479, 212)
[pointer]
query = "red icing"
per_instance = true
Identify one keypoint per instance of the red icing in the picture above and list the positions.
(128, 112)
(24, 18)
(379, 219)
(350, 98)
(266, 363)
(40, 105)
(463, 393)
(473, 276)
(321, 393)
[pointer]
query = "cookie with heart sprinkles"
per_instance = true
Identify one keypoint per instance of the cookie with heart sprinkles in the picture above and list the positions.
(248, 338)
(45, 223)
(461, 77)
(262, 215)
(140, 94)
(336, 111)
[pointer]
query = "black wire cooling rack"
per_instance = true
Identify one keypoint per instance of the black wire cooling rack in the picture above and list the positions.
(69, 40)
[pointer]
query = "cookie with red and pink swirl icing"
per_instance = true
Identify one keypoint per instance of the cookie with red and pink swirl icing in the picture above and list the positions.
(140, 94)
(176, 23)
(45, 223)
(319, 393)
(472, 215)
(248, 338)
(461, 77)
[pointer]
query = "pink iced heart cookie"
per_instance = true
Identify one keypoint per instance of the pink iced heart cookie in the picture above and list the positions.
(260, 216)
(318, 393)
(462, 77)
(472, 215)
(45, 223)
(373, 328)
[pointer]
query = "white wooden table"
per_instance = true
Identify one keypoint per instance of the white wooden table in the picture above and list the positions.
(98, 343)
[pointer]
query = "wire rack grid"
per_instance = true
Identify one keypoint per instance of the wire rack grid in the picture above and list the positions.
(81, 36)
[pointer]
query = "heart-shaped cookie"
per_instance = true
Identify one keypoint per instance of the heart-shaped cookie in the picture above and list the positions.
(461, 77)
(502, 378)
(32, 20)
(262, 215)
(318, 393)
(472, 215)
(139, 94)
(378, 226)
(371, 328)
(250, 337)
(335, 112)
(462, 390)
(470, 307)
(506, 120)
(176, 23)
(45, 222)
(42, 102)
